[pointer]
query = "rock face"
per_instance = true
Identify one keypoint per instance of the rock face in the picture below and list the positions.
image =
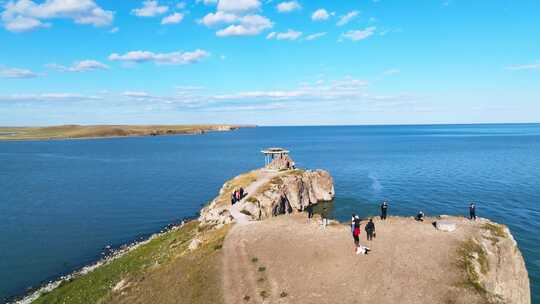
(287, 192)
(495, 266)
(445, 226)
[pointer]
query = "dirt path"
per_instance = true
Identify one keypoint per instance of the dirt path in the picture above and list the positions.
(288, 260)
(263, 177)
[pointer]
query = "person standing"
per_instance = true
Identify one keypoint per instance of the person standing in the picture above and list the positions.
(309, 210)
(356, 231)
(352, 223)
(384, 210)
(370, 230)
(324, 216)
(233, 198)
(472, 211)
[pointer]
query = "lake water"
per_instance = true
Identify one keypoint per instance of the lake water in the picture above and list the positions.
(62, 202)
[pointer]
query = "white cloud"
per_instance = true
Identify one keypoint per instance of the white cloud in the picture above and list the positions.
(517, 67)
(26, 15)
(347, 18)
(391, 72)
(114, 30)
(249, 25)
(288, 6)
(173, 19)
(238, 5)
(218, 17)
(315, 36)
(320, 15)
(46, 97)
(174, 58)
(16, 73)
(288, 35)
(135, 94)
(359, 34)
(207, 2)
(80, 66)
(150, 8)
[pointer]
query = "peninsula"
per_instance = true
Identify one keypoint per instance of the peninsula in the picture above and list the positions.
(264, 249)
(104, 131)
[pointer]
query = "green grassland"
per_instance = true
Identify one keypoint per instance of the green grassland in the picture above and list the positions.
(162, 270)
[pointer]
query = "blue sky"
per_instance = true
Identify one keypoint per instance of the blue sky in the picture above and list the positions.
(269, 62)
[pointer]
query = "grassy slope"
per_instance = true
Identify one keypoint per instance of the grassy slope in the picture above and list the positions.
(77, 131)
(149, 270)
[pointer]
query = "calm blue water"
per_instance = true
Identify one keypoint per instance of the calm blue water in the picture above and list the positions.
(61, 202)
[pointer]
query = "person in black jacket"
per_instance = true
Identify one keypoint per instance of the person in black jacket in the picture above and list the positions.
(384, 210)
(370, 230)
(472, 211)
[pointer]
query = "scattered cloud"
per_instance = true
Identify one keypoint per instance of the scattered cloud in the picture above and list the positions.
(391, 72)
(219, 17)
(150, 8)
(80, 66)
(347, 18)
(49, 97)
(288, 35)
(530, 66)
(238, 5)
(357, 35)
(136, 94)
(207, 2)
(315, 36)
(174, 58)
(249, 25)
(288, 6)
(172, 19)
(114, 30)
(27, 15)
(320, 15)
(16, 73)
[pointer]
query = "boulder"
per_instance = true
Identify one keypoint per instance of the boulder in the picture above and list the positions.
(195, 243)
(445, 226)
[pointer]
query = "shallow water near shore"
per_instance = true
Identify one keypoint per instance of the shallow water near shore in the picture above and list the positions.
(63, 201)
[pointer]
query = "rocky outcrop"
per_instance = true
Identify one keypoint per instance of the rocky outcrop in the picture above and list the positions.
(287, 192)
(494, 265)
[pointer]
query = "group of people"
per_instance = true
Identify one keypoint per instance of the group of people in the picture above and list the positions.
(355, 229)
(237, 195)
(420, 215)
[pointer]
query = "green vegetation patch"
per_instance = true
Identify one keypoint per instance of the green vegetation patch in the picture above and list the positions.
(469, 254)
(495, 229)
(134, 266)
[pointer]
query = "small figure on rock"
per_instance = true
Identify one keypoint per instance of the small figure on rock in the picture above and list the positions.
(472, 211)
(356, 231)
(384, 210)
(420, 216)
(233, 197)
(309, 210)
(324, 216)
(352, 223)
(370, 230)
(241, 192)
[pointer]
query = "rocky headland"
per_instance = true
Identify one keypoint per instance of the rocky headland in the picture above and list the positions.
(263, 249)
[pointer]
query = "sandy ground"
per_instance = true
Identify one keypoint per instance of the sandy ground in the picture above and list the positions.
(288, 260)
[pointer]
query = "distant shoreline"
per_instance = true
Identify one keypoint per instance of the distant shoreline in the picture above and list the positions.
(66, 132)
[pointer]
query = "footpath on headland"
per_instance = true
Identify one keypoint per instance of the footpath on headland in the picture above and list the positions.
(263, 249)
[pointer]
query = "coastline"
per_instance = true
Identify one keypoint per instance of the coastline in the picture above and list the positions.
(109, 256)
(77, 132)
(214, 236)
